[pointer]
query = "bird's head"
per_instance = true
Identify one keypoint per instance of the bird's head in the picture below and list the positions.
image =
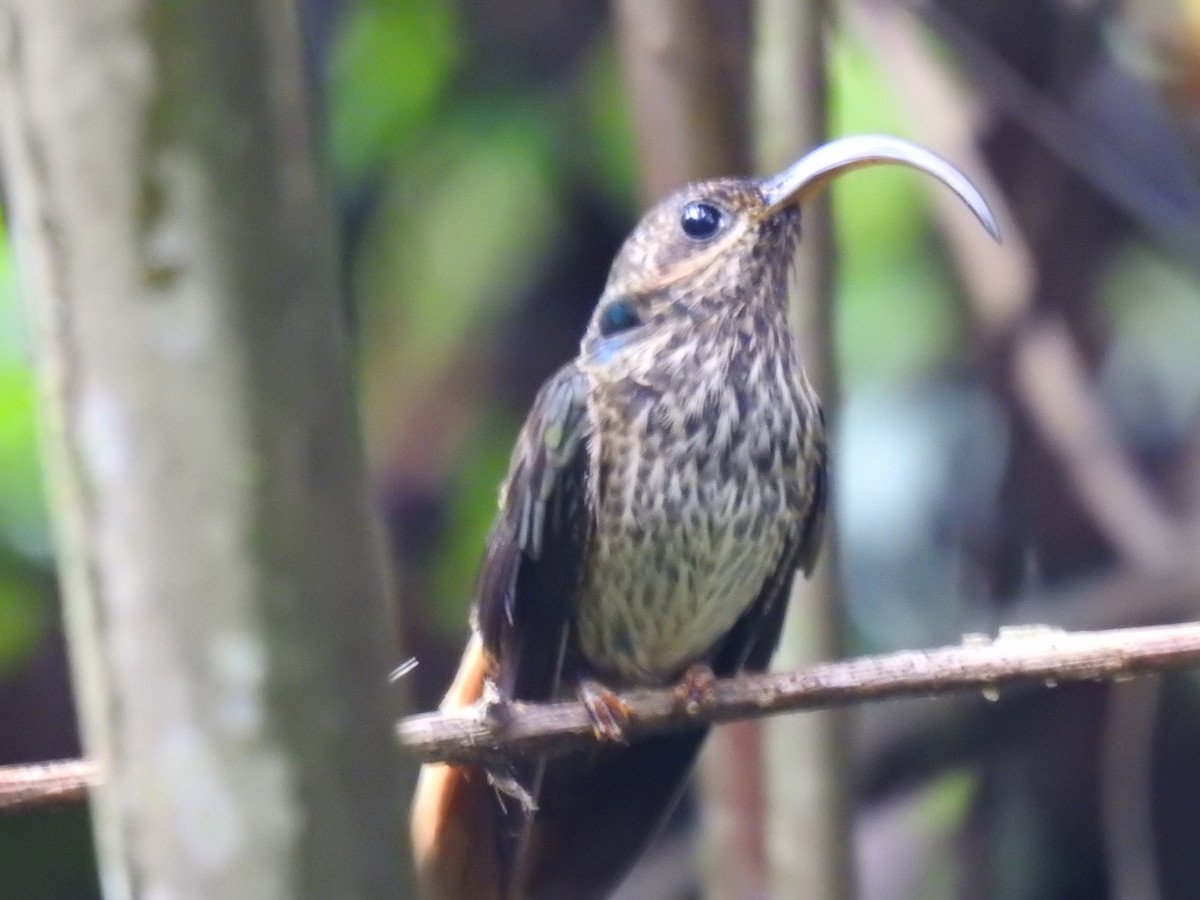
(708, 249)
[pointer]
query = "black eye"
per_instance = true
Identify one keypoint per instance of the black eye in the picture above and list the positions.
(700, 220)
(617, 316)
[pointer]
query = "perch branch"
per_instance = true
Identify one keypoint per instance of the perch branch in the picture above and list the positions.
(1021, 655)
(47, 784)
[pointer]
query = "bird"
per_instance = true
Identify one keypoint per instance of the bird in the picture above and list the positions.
(668, 484)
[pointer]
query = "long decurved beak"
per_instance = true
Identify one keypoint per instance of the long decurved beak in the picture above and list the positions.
(812, 172)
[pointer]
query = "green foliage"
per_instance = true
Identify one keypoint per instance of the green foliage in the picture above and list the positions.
(390, 65)
(1152, 301)
(461, 228)
(24, 529)
(468, 223)
(47, 855)
(471, 502)
(895, 314)
(467, 198)
(609, 144)
(937, 815)
(23, 616)
(23, 520)
(502, 162)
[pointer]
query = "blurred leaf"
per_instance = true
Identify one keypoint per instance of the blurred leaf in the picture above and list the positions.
(23, 619)
(1152, 300)
(48, 854)
(388, 68)
(948, 800)
(896, 313)
(895, 319)
(13, 344)
(24, 525)
(463, 228)
(471, 502)
(480, 231)
(609, 139)
(939, 816)
(23, 516)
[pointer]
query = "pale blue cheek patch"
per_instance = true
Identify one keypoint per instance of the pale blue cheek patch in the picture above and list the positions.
(606, 349)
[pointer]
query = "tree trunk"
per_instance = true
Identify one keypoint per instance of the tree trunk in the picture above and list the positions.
(225, 603)
(810, 837)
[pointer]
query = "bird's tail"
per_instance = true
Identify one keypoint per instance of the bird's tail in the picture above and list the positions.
(455, 818)
(600, 810)
(597, 811)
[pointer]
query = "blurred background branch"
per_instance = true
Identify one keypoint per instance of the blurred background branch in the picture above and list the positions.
(687, 67)
(807, 777)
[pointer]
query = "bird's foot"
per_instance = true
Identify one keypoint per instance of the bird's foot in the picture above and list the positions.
(608, 712)
(493, 708)
(694, 691)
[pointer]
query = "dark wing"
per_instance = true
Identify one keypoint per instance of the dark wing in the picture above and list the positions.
(535, 549)
(813, 532)
(531, 571)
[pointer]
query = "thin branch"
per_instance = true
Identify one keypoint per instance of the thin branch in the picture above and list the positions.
(1018, 656)
(1053, 386)
(1127, 820)
(906, 730)
(47, 784)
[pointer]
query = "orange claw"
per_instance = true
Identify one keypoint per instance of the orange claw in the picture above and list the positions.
(608, 712)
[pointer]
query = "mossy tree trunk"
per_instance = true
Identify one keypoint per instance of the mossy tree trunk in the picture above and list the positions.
(225, 601)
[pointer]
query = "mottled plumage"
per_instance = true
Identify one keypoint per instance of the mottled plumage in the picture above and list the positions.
(667, 484)
(705, 440)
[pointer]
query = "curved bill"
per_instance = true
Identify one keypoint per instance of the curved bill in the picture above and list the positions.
(813, 171)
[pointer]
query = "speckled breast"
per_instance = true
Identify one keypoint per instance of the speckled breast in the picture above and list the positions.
(701, 486)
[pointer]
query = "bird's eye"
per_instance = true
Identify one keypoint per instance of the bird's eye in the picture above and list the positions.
(618, 316)
(700, 220)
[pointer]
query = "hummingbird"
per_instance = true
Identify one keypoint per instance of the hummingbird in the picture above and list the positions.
(668, 484)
